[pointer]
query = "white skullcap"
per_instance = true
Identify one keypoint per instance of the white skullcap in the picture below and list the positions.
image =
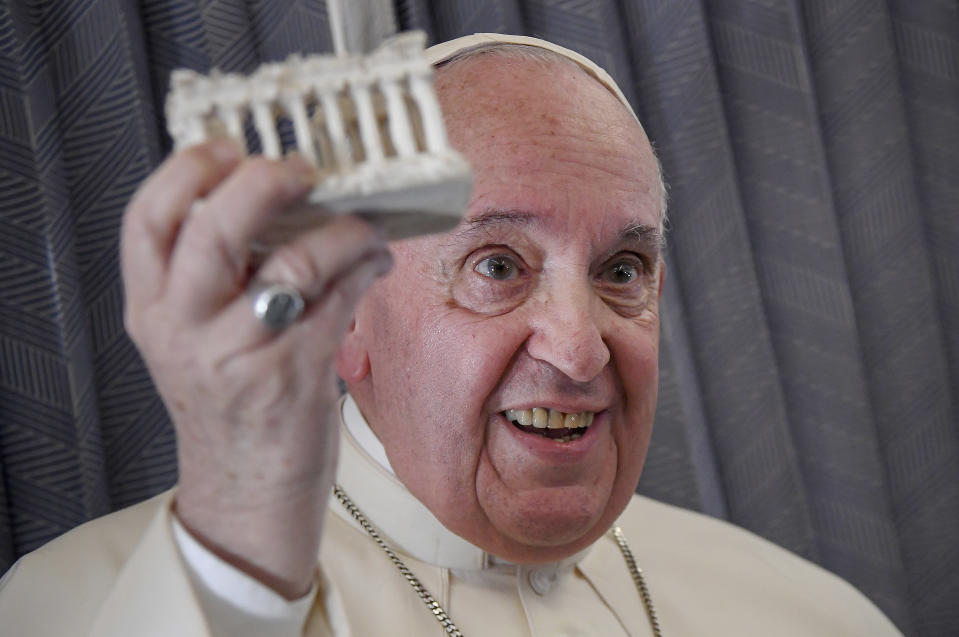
(439, 53)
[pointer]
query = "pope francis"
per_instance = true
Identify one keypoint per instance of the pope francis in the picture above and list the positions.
(478, 477)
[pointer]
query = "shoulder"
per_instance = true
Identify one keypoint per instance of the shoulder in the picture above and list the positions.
(72, 573)
(686, 535)
(734, 575)
(107, 540)
(673, 529)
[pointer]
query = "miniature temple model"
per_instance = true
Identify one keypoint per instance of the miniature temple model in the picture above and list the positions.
(370, 124)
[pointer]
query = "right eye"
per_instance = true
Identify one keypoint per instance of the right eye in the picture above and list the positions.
(499, 268)
(493, 280)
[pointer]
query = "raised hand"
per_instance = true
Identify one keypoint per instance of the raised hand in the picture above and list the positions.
(252, 406)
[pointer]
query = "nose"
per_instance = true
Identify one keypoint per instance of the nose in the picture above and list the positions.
(567, 332)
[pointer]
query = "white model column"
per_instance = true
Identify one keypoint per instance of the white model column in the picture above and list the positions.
(188, 108)
(366, 118)
(296, 108)
(266, 127)
(193, 131)
(233, 122)
(233, 95)
(432, 117)
(398, 117)
(333, 120)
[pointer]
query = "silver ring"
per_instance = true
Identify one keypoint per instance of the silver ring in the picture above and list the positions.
(277, 305)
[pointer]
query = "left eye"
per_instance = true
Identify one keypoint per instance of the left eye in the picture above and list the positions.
(622, 273)
(498, 267)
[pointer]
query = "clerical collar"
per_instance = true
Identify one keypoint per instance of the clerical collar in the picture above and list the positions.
(365, 473)
(357, 426)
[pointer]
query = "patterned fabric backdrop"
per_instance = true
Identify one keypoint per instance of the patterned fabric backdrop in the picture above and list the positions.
(810, 364)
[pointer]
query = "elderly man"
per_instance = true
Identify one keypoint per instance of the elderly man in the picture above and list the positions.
(502, 383)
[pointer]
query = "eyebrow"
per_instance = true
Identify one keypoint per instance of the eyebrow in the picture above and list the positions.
(644, 234)
(492, 218)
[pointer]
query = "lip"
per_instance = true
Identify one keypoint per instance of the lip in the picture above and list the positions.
(566, 408)
(559, 452)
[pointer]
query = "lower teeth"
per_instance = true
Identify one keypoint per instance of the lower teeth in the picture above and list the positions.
(552, 434)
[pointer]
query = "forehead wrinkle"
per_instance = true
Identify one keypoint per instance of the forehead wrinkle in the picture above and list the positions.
(574, 150)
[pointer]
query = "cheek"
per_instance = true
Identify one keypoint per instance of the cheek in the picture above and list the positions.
(439, 452)
(635, 350)
(639, 373)
(433, 374)
(469, 353)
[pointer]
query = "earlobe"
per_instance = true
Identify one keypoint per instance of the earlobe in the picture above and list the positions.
(352, 358)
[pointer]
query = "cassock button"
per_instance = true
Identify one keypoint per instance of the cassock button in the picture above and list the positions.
(542, 580)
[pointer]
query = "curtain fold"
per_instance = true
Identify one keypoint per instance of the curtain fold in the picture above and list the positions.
(774, 111)
(51, 439)
(810, 354)
(868, 153)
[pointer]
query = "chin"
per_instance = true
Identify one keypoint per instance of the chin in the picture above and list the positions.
(542, 527)
(555, 533)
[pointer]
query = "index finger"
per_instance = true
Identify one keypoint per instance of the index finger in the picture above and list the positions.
(153, 218)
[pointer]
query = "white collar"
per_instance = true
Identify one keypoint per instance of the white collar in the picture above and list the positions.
(364, 472)
(360, 430)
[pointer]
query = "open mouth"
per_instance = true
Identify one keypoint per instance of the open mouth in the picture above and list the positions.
(551, 423)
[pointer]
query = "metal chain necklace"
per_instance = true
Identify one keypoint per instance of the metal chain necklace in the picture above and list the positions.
(434, 606)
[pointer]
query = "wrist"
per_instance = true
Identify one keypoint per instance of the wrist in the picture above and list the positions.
(272, 539)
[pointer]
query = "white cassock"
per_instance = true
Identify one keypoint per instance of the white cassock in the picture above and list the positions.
(125, 575)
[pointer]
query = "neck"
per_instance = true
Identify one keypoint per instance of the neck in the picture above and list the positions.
(405, 523)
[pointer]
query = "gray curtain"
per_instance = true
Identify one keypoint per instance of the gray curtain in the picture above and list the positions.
(810, 360)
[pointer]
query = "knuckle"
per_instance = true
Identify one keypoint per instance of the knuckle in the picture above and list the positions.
(265, 179)
(138, 202)
(196, 156)
(334, 312)
(210, 153)
(340, 296)
(141, 210)
(208, 237)
(131, 323)
(145, 333)
(197, 161)
(295, 264)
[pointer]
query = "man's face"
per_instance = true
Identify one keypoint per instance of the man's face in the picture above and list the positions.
(544, 298)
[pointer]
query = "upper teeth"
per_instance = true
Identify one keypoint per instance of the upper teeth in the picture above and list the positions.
(543, 418)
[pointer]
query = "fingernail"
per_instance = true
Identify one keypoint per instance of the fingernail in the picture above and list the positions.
(302, 172)
(298, 162)
(225, 150)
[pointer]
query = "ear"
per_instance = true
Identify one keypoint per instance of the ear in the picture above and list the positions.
(352, 358)
(662, 276)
